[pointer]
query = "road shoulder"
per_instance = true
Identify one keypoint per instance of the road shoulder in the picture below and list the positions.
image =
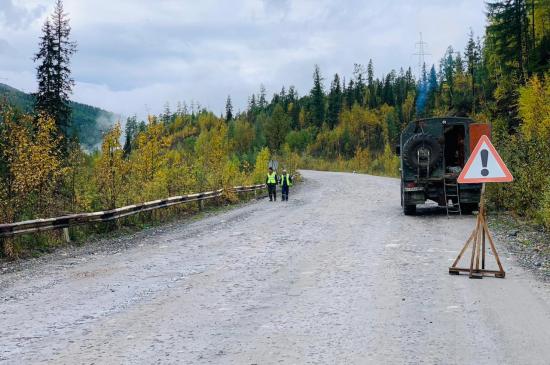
(529, 244)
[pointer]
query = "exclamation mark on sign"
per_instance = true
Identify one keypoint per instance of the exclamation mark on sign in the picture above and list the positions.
(484, 158)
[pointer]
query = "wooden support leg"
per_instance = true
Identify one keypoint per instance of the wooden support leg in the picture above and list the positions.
(478, 250)
(464, 248)
(66, 235)
(501, 272)
(474, 249)
(483, 249)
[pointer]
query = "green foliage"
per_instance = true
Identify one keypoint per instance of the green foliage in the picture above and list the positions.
(317, 105)
(110, 170)
(299, 140)
(528, 156)
(261, 165)
(277, 127)
(53, 72)
(85, 119)
(544, 212)
(335, 99)
(242, 136)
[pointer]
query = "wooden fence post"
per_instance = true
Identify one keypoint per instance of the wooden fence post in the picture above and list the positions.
(66, 235)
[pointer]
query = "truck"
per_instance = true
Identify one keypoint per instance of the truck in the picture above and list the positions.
(433, 152)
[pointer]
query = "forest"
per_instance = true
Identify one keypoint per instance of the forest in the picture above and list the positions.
(343, 123)
(86, 120)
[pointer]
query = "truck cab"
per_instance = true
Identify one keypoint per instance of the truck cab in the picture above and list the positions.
(433, 152)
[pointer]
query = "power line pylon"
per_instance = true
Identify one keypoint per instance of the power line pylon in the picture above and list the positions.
(421, 53)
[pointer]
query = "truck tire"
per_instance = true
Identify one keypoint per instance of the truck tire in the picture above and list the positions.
(409, 209)
(422, 142)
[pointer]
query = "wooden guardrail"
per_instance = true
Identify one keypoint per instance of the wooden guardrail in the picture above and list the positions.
(46, 224)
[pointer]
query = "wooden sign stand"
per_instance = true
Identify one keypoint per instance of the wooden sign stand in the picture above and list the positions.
(477, 241)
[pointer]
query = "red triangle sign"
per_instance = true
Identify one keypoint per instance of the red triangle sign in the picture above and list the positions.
(484, 165)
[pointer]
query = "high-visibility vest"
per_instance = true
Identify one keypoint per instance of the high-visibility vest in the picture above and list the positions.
(287, 177)
(271, 178)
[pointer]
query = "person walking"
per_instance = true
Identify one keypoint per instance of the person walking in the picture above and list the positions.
(286, 183)
(271, 182)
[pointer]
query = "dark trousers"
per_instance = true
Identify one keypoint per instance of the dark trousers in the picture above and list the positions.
(272, 190)
(284, 192)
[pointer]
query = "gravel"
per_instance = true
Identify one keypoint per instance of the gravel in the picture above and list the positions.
(529, 244)
(336, 275)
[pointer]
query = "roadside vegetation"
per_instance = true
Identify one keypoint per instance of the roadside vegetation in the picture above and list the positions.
(502, 78)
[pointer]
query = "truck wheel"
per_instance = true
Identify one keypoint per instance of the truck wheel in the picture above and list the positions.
(421, 150)
(409, 209)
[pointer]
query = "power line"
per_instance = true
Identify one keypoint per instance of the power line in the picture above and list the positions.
(421, 53)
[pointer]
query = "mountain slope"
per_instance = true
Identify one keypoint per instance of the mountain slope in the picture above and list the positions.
(87, 121)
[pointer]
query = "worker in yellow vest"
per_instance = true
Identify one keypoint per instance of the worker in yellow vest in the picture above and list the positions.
(286, 183)
(271, 182)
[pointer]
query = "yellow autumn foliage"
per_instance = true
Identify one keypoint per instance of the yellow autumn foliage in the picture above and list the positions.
(34, 167)
(110, 170)
(534, 109)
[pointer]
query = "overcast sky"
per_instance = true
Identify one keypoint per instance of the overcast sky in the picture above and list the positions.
(136, 55)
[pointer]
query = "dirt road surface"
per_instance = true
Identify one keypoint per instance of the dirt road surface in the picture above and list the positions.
(338, 275)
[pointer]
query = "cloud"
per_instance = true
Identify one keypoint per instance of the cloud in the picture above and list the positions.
(5, 47)
(18, 16)
(133, 53)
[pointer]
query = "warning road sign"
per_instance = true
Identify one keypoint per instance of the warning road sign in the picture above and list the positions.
(484, 165)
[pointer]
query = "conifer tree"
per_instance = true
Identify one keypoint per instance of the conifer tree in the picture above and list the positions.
(508, 31)
(334, 102)
(370, 85)
(53, 73)
(317, 98)
(360, 87)
(432, 88)
(228, 109)
(472, 59)
(350, 94)
(131, 131)
(261, 98)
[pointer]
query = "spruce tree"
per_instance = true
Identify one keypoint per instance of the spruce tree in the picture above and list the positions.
(508, 32)
(261, 98)
(44, 99)
(507, 43)
(228, 109)
(166, 116)
(252, 103)
(292, 94)
(448, 69)
(334, 102)
(432, 89)
(360, 87)
(317, 98)
(283, 98)
(53, 73)
(370, 85)
(472, 59)
(350, 94)
(131, 132)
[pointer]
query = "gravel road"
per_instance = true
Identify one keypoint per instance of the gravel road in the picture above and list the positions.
(338, 275)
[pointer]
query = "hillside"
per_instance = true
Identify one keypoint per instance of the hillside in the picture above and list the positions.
(87, 121)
